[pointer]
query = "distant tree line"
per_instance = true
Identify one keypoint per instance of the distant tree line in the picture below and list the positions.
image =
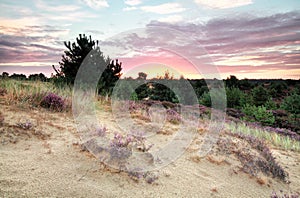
(31, 77)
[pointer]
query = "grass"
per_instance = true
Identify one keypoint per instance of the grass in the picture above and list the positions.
(277, 140)
(31, 92)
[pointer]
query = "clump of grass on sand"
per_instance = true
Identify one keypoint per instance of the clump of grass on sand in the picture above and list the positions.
(277, 140)
(32, 92)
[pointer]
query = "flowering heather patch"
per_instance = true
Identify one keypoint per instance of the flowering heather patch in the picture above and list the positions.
(100, 131)
(173, 116)
(150, 177)
(53, 102)
(26, 125)
(285, 195)
(266, 163)
(136, 174)
(136, 106)
(120, 147)
(138, 136)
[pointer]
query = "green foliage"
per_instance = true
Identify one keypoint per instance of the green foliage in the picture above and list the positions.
(18, 76)
(40, 77)
(109, 77)
(260, 95)
(277, 88)
(73, 58)
(270, 105)
(292, 104)
(232, 82)
(249, 111)
(32, 92)
(143, 91)
(123, 89)
(219, 98)
(201, 90)
(284, 142)
(246, 98)
(259, 114)
(264, 116)
(162, 93)
(205, 99)
(134, 96)
(245, 84)
(233, 97)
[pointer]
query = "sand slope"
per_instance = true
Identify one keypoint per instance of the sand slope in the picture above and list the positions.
(47, 161)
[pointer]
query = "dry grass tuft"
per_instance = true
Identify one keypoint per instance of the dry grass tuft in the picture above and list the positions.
(165, 132)
(214, 190)
(261, 180)
(3, 91)
(140, 117)
(196, 158)
(201, 131)
(213, 160)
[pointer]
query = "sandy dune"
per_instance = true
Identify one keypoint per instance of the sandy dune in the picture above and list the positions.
(48, 161)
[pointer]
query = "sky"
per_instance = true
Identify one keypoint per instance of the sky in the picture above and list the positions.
(194, 38)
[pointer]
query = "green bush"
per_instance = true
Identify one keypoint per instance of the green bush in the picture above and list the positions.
(292, 104)
(259, 114)
(134, 96)
(277, 88)
(249, 110)
(219, 98)
(264, 116)
(271, 105)
(260, 95)
(237, 98)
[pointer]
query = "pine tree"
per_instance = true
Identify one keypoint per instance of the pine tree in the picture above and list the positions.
(75, 54)
(109, 77)
(260, 95)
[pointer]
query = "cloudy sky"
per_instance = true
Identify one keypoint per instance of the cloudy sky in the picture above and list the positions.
(246, 38)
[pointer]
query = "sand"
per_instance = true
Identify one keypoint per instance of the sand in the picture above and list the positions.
(48, 161)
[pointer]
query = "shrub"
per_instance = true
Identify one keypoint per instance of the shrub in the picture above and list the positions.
(53, 102)
(249, 110)
(119, 147)
(233, 97)
(264, 116)
(277, 88)
(134, 96)
(292, 104)
(265, 162)
(271, 105)
(259, 114)
(218, 96)
(25, 125)
(260, 96)
(205, 99)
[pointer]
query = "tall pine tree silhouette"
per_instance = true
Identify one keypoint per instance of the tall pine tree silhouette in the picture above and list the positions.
(76, 53)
